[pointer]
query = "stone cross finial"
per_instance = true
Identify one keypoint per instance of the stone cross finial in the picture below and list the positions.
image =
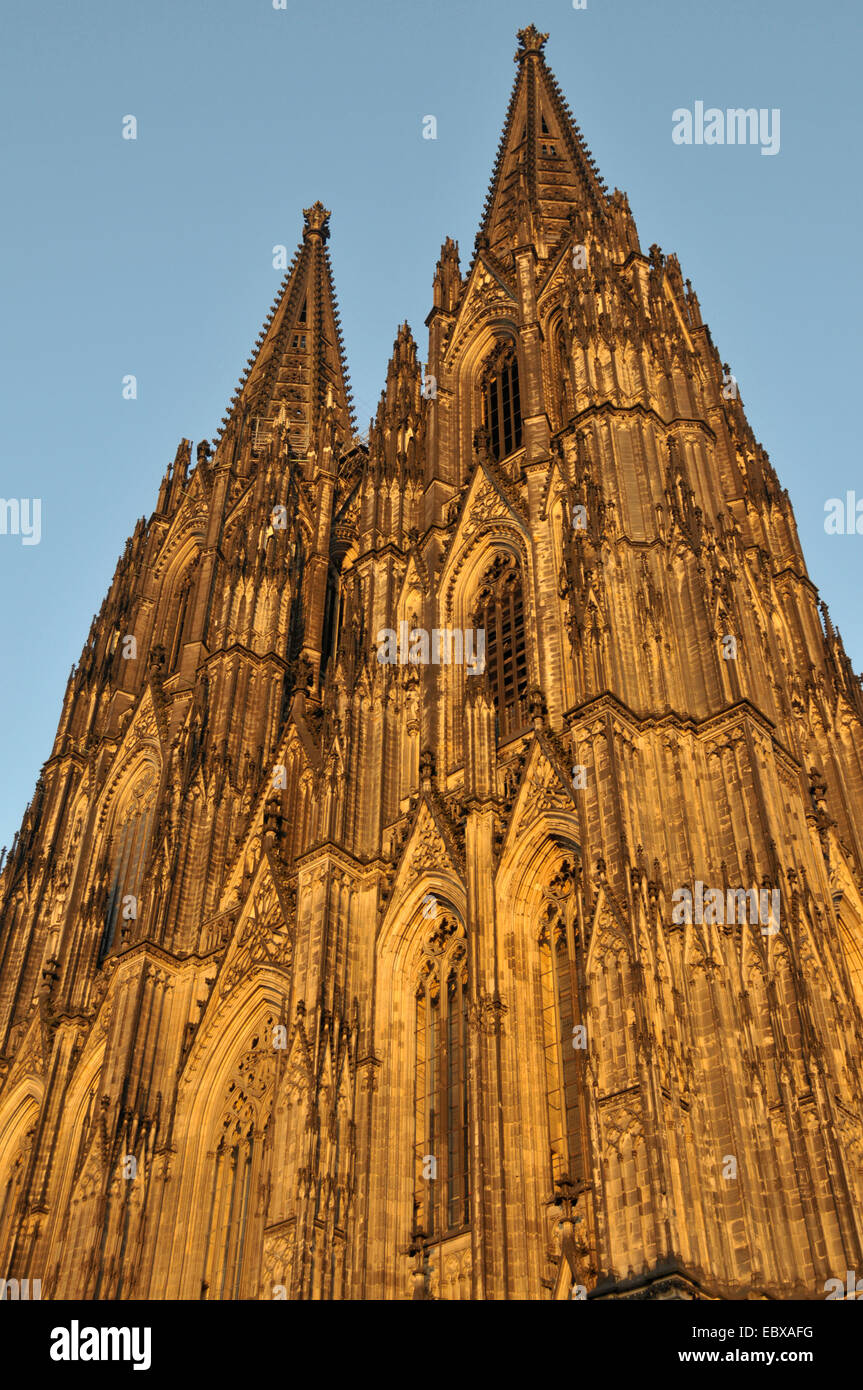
(317, 219)
(530, 40)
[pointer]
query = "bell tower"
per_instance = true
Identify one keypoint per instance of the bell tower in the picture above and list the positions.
(447, 878)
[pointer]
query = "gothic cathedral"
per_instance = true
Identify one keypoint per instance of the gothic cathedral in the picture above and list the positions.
(447, 878)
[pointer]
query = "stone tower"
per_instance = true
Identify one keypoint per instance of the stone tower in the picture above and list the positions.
(446, 878)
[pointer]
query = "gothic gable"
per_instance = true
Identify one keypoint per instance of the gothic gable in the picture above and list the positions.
(608, 930)
(487, 510)
(186, 530)
(429, 851)
(143, 727)
(543, 790)
(263, 935)
(371, 965)
(30, 1053)
(490, 294)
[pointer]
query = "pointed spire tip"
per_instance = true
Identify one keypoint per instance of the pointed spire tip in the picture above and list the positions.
(317, 219)
(530, 40)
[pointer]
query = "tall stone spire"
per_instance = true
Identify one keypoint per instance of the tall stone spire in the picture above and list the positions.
(297, 367)
(464, 969)
(544, 171)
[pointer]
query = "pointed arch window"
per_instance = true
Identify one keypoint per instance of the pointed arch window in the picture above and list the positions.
(331, 617)
(563, 1044)
(565, 400)
(499, 613)
(130, 842)
(501, 398)
(12, 1189)
(233, 1222)
(442, 1197)
(262, 433)
(230, 1195)
(182, 611)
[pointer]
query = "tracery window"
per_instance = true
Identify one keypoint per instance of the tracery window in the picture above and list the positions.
(502, 402)
(331, 617)
(233, 1222)
(229, 1211)
(565, 401)
(130, 841)
(12, 1190)
(441, 1086)
(500, 613)
(182, 610)
(262, 433)
(563, 1041)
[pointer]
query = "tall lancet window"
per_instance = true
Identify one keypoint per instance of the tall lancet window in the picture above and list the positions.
(331, 617)
(500, 613)
(502, 402)
(565, 400)
(441, 1090)
(130, 842)
(13, 1180)
(230, 1210)
(563, 1039)
(182, 611)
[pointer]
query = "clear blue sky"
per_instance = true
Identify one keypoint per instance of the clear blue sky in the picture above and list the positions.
(154, 257)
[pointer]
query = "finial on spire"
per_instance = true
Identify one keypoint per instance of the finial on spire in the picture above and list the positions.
(317, 219)
(530, 40)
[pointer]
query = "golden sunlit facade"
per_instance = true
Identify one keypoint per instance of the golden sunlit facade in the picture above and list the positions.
(389, 918)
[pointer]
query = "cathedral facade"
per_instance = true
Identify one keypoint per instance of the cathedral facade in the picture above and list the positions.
(447, 878)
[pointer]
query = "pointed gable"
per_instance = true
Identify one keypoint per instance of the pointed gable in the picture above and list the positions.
(143, 724)
(544, 789)
(30, 1053)
(487, 501)
(263, 936)
(430, 848)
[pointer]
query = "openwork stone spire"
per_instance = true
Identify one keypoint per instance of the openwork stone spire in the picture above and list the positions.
(297, 370)
(543, 171)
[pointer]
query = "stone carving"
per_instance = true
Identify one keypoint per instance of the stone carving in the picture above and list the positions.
(263, 939)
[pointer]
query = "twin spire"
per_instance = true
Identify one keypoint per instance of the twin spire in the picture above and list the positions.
(544, 174)
(297, 375)
(544, 182)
